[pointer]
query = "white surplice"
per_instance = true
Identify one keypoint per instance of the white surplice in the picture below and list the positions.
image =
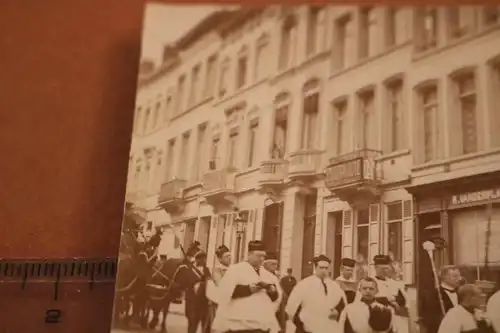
(390, 288)
(357, 314)
(316, 306)
(493, 310)
(459, 320)
(277, 302)
(255, 312)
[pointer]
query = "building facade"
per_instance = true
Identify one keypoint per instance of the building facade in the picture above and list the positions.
(350, 131)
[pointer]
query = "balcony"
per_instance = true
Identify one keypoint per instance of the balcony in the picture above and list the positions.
(272, 175)
(171, 197)
(353, 177)
(218, 188)
(305, 165)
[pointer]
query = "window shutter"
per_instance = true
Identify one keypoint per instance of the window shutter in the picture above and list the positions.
(407, 242)
(347, 234)
(230, 232)
(257, 230)
(374, 236)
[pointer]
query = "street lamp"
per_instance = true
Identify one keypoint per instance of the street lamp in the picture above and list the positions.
(240, 223)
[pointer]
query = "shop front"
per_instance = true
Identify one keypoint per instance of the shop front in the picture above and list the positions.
(462, 218)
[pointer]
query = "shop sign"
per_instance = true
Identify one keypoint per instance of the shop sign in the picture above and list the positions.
(478, 196)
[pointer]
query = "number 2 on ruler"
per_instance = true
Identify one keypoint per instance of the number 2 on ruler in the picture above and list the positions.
(52, 316)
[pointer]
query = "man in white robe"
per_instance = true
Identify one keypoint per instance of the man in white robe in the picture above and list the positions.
(467, 316)
(493, 310)
(247, 296)
(390, 293)
(316, 302)
(271, 264)
(346, 279)
(366, 315)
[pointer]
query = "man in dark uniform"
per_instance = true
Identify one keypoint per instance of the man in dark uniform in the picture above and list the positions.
(288, 282)
(430, 307)
(196, 299)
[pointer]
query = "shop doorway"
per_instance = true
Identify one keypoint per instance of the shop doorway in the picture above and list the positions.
(334, 241)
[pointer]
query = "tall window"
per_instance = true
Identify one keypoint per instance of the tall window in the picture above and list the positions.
(138, 114)
(397, 29)
(368, 30)
(261, 57)
(310, 122)
(427, 28)
(491, 15)
(367, 119)
(184, 157)
(495, 76)
(137, 173)
(180, 94)
(466, 89)
(195, 82)
(211, 76)
(252, 140)
(232, 149)
(313, 30)
(158, 172)
(395, 116)
(344, 39)
(199, 166)
(429, 100)
(363, 238)
(147, 117)
(224, 76)
(169, 172)
(340, 112)
(461, 21)
(395, 230)
(288, 38)
(156, 114)
(242, 69)
(147, 176)
(168, 108)
(279, 148)
(214, 154)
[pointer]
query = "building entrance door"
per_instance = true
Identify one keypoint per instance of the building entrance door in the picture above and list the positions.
(271, 227)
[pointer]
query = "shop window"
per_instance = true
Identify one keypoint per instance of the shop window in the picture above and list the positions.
(395, 235)
(469, 228)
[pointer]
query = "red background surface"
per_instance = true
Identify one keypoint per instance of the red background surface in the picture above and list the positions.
(68, 73)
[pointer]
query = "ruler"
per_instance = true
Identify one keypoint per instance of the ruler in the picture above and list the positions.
(56, 295)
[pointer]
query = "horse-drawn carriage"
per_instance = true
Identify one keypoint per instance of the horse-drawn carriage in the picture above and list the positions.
(146, 285)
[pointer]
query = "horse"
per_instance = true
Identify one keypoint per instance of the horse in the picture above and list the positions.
(133, 272)
(167, 283)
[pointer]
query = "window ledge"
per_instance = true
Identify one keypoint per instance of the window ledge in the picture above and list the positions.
(247, 171)
(360, 63)
(238, 92)
(419, 55)
(462, 158)
(192, 107)
(292, 69)
(393, 155)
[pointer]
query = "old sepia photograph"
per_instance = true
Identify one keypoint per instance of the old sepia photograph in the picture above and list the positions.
(314, 169)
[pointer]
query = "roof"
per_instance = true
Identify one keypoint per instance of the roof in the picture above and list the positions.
(222, 22)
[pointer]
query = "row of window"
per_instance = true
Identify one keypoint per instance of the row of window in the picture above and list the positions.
(464, 116)
(433, 27)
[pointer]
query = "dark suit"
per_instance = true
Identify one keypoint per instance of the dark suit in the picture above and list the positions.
(197, 305)
(430, 309)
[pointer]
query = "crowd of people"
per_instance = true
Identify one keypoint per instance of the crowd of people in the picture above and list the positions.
(250, 297)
